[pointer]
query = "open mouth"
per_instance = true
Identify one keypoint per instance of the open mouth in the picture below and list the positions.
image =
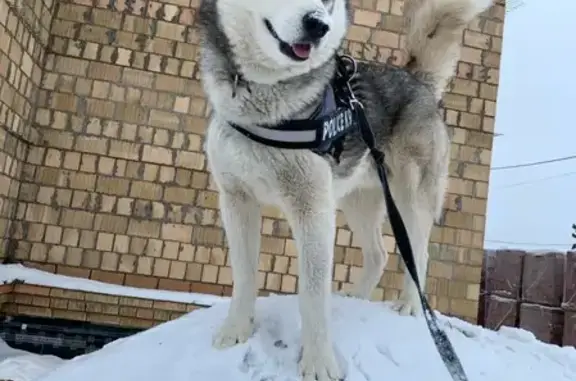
(298, 52)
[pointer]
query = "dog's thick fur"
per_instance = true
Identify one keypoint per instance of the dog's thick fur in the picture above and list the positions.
(402, 107)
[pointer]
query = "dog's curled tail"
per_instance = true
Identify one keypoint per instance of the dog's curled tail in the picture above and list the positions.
(433, 36)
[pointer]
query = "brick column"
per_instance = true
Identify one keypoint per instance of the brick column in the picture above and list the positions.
(24, 34)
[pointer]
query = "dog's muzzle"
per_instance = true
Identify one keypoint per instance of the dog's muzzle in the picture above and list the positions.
(314, 30)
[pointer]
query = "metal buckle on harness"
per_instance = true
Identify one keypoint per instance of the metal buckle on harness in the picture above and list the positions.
(350, 59)
(235, 82)
(348, 75)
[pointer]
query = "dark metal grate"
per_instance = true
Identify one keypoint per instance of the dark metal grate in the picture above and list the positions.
(63, 338)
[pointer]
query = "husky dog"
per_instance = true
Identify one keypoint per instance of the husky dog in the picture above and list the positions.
(268, 61)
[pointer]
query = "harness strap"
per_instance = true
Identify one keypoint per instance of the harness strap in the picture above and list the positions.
(318, 135)
(323, 132)
(306, 138)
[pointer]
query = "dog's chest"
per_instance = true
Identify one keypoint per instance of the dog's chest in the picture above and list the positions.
(269, 173)
(236, 162)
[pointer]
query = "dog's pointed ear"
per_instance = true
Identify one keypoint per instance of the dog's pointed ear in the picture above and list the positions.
(329, 4)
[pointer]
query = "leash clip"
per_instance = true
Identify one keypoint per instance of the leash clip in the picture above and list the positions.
(235, 82)
(348, 72)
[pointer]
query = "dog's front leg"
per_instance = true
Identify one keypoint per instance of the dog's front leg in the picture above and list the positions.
(241, 217)
(312, 216)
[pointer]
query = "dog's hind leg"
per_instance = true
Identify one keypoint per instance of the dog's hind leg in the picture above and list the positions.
(365, 210)
(418, 193)
(312, 215)
(241, 217)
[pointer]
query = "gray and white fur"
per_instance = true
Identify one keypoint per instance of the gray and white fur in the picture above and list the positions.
(242, 37)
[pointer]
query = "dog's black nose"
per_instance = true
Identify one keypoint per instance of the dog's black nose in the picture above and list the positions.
(314, 27)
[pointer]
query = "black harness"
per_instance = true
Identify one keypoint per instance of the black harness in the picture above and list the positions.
(324, 133)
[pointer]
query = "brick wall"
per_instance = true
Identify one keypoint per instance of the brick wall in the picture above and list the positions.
(536, 292)
(24, 33)
(117, 190)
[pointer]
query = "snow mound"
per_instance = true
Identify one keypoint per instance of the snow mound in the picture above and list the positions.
(372, 341)
(27, 367)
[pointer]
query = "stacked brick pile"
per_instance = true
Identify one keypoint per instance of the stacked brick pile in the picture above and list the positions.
(569, 300)
(536, 292)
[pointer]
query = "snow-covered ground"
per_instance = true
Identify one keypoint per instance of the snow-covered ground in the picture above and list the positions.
(373, 343)
(17, 365)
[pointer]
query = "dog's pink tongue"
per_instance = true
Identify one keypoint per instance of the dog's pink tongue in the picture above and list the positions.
(301, 50)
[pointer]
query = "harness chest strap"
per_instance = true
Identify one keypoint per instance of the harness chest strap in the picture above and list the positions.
(326, 133)
(329, 123)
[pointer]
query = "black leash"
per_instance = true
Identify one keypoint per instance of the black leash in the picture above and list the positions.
(443, 344)
(441, 340)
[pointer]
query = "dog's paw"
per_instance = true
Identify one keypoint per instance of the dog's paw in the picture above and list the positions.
(344, 294)
(232, 332)
(355, 293)
(408, 304)
(320, 365)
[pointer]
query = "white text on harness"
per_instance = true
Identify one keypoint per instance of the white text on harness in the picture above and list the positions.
(338, 123)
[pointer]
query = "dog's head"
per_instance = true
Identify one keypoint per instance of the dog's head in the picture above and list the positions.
(282, 38)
